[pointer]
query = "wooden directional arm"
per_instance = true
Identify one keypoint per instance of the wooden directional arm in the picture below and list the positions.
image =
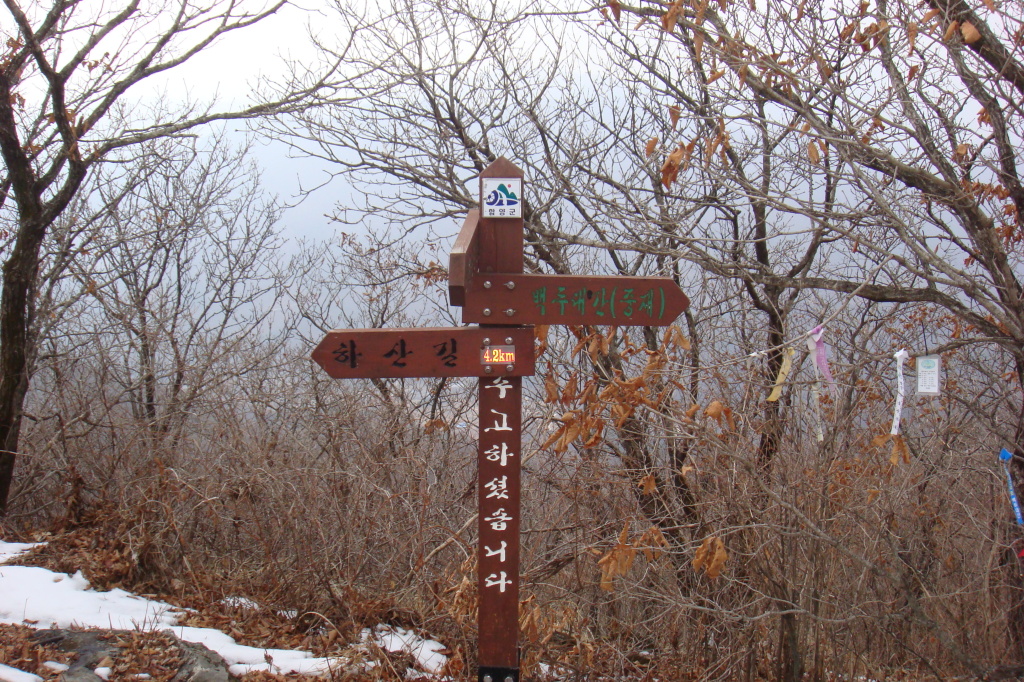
(462, 261)
(500, 298)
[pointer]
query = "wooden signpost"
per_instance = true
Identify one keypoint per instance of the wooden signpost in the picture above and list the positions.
(426, 352)
(567, 299)
(486, 278)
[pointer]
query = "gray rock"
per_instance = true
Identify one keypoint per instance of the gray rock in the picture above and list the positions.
(87, 646)
(79, 675)
(201, 665)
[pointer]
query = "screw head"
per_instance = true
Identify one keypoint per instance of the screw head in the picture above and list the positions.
(487, 284)
(509, 368)
(487, 341)
(508, 340)
(510, 285)
(487, 311)
(488, 678)
(488, 369)
(510, 312)
(509, 679)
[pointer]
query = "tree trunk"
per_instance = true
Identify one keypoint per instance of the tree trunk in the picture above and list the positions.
(16, 312)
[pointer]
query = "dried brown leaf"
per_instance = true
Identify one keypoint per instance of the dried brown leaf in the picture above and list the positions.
(648, 484)
(718, 559)
(703, 553)
(609, 391)
(434, 425)
(900, 451)
(589, 394)
(597, 427)
(680, 339)
(553, 438)
(652, 145)
(970, 33)
(715, 410)
(540, 340)
(880, 440)
(607, 566)
(580, 345)
(622, 412)
(812, 152)
(670, 169)
(550, 389)
(669, 19)
(571, 389)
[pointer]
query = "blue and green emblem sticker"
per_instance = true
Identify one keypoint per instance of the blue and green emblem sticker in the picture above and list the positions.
(502, 197)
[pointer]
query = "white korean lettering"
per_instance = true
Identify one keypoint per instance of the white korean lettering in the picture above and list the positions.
(502, 384)
(500, 552)
(497, 580)
(499, 520)
(499, 424)
(498, 488)
(499, 454)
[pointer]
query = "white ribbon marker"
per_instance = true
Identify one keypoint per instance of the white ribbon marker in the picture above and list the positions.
(901, 356)
(812, 345)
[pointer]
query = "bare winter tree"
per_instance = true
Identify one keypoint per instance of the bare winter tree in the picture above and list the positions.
(68, 83)
(172, 297)
(878, 149)
(797, 165)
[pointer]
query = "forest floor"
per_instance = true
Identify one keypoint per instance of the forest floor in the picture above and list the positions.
(70, 581)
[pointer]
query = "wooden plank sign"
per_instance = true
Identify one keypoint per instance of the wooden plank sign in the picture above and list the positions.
(577, 300)
(498, 493)
(462, 261)
(426, 352)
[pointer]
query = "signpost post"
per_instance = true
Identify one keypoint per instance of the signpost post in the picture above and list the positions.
(486, 278)
(500, 249)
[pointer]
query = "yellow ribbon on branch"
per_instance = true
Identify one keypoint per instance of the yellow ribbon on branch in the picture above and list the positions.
(787, 364)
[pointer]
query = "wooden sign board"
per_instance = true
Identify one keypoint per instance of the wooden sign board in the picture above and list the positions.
(462, 261)
(427, 352)
(499, 472)
(576, 300)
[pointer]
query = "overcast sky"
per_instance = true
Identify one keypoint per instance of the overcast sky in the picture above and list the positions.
(228, 69)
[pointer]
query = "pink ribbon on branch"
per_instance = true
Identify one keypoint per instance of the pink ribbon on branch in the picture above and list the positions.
(821, 356)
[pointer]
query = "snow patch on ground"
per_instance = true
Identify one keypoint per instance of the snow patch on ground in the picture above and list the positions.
(41, 598)
(9, 674)
(9, 550)
(426, 652)
(243, 603)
